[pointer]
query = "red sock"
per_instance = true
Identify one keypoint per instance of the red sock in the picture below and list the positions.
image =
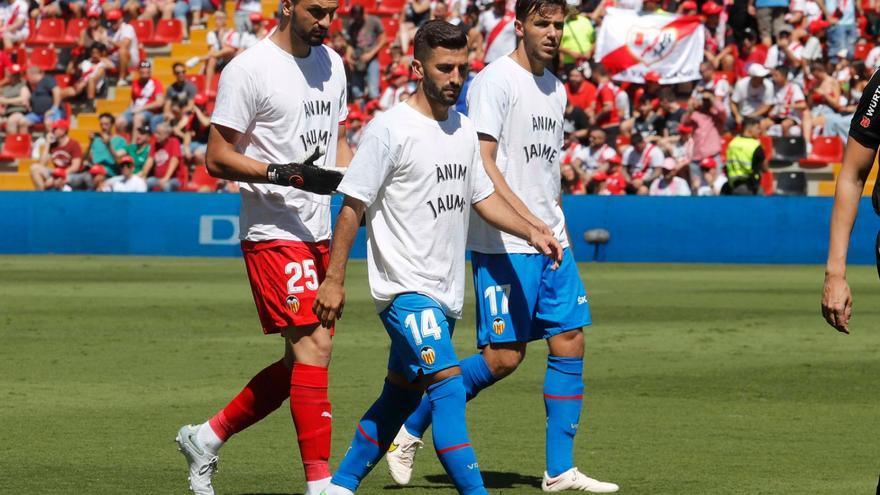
(310, 409)
(263, 394)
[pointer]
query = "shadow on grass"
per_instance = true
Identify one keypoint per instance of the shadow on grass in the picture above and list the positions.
(492, 480)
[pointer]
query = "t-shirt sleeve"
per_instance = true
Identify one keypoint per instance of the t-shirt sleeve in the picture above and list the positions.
(758, 160)
(865, 126)
(237, 99)
(75, 150)
(483, 187)
(370, 167)
(117, 143)
(487, 107)
(174, 148)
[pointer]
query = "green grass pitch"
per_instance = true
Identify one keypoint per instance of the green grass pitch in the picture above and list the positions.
(700, 380)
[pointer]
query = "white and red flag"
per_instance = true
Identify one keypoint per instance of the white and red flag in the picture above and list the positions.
(630, 45)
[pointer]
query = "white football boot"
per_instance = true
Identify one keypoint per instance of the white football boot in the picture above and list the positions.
(401, 455)
(202, 464)
(578, 481)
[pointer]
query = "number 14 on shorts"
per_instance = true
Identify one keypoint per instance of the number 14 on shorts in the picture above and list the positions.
(426, 327)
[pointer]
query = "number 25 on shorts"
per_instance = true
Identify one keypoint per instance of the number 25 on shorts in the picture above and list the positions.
(299, 270)
(427, 328)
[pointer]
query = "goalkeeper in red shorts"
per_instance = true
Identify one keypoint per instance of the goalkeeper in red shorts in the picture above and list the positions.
(277, 129)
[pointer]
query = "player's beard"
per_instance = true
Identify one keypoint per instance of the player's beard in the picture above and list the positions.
(438, 94)
(314, 37)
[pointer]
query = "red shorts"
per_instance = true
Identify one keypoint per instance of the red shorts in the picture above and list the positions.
(284, 278)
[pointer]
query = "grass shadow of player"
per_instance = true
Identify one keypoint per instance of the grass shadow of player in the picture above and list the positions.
(493, 480)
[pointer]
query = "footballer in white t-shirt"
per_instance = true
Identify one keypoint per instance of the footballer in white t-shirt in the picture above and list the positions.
(278, 122)
(416, 175)
(517, 106)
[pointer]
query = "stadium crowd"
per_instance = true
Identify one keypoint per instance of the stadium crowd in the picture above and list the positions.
(770, 68)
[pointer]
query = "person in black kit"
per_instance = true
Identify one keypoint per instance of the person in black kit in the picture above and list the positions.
(858, 159)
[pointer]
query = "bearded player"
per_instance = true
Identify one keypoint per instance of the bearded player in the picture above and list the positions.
(517, 107)
(416, 176)
(276, 125)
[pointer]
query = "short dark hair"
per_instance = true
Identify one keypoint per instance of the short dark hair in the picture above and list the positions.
(176, 65)
(437, 33)
(526, 7)
(750, 121)
(107, 115)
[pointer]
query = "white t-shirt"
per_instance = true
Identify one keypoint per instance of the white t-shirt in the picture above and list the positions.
(524, 114)
(873, 58)
(285, 107)
(418, 178)
(229, 37)
(14, 11)
(504, 42)
(135, 184)
(650, 158)
(784, 99)
(592, 158)
(749, 98)
(675, 187)
(391, 96)
(127, 32)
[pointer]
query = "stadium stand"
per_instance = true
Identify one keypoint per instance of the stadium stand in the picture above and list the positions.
(798, 137)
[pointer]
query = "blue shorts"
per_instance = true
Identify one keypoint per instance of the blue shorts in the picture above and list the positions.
(421, 336)
(520, 298)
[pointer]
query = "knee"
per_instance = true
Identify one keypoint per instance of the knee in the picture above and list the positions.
(567, 344)
(503, 362)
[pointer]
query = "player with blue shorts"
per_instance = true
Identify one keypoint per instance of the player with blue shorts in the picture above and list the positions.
(517, 107)
(416, 175)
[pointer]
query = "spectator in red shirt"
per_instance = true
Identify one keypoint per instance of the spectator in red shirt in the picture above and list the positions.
(616, 182)
(62, 153)
(147, 100)
(581, 92)
(604, 113)
(164, 168)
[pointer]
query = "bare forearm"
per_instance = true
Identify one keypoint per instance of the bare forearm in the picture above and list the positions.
(500, 214)
(224, 162)
(857, 163)
(343, 238)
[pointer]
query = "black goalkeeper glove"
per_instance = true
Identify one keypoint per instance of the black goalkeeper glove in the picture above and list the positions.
(306, 175)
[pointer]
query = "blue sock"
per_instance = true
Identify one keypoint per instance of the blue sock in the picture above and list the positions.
(563, 396)
(451, 438)
(375, 432)
(475, 375)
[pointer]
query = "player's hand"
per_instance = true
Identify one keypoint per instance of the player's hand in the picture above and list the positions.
(329, 302)
(547, 245)
(837, 303)
(306, 175)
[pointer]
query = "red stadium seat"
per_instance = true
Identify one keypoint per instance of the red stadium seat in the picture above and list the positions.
(391, 6)
(212, 89)
(74, 28)
(45, 58)
(144, 29)
(49, 31)
(336, 25)
(16, 146)
(198, 81)
(725, 140)
(767, 183)
(168, 31)
(62, 80)
(384, 57)
(767, 144)
(391, 25)
(862, 50)
(202, 180)
(271, 23)
(826, 150)
(20, 56)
